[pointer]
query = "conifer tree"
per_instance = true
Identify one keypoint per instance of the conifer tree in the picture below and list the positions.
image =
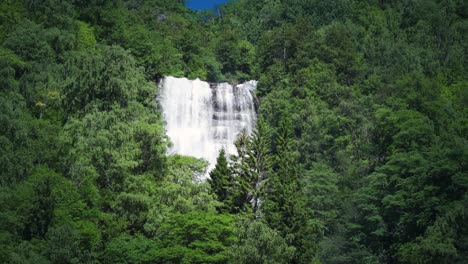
(251, 166)
(283, 184)
(221, 181)
(284, 208)
(239, 170)
(259, 161)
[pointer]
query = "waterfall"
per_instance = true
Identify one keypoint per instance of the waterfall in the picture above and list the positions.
(201, 118)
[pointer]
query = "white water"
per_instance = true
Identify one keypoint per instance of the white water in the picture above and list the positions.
(200, 119)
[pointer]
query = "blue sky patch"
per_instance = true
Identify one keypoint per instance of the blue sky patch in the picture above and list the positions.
(203, 4)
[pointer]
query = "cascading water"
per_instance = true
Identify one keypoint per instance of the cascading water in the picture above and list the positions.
(202, 118)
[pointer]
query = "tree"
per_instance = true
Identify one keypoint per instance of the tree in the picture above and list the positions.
(235, 55)
(256, 243)
(196, 237)
(102, 78)
(40, 212)
(251, 166)
(360, 153)
(259, 162)
(129, 249)
(31, 42)
(178, 191)
(221, 181)
(241, 186)
(64, 245)
(285, 207)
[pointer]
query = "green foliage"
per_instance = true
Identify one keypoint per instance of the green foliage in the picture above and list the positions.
(129, 249)
(257, 243)
(26, 252)
(196, 237)
(85, 36)
(101, 78)
(235, 56)
(15, 127)
(285, 205)
(359, 155)
(179, 193)
(103, 141)
(221, 181)
(63, 245)
(250, 168)
(10, 13)
(47, 206)
(10, 63)
(30, 41)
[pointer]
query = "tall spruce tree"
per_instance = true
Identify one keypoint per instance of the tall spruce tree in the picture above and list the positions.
(221, 182)
(284, 207)
(251, 167)
(259, 162)
(240, 171)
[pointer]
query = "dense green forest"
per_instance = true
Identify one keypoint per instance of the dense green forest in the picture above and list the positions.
(360, 154)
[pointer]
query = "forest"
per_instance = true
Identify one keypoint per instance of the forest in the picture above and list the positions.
(360, 154)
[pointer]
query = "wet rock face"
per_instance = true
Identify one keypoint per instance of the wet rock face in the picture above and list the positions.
(201, 118)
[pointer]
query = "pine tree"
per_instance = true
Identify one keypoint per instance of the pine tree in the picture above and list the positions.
(284, 208)
(221, 181)
(283, 184)
(259, 161)
(251, 166)
(240, 170)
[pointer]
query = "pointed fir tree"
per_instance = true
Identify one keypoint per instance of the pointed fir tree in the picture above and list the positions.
(260, 162)
(221, 181)
(241, 188)
(284, 207)
(251, 166)
(283, 184)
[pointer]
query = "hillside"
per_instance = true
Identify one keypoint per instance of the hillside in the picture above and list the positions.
(359, 154)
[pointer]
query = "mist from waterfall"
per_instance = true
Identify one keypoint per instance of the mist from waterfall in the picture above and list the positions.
(201, 118)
